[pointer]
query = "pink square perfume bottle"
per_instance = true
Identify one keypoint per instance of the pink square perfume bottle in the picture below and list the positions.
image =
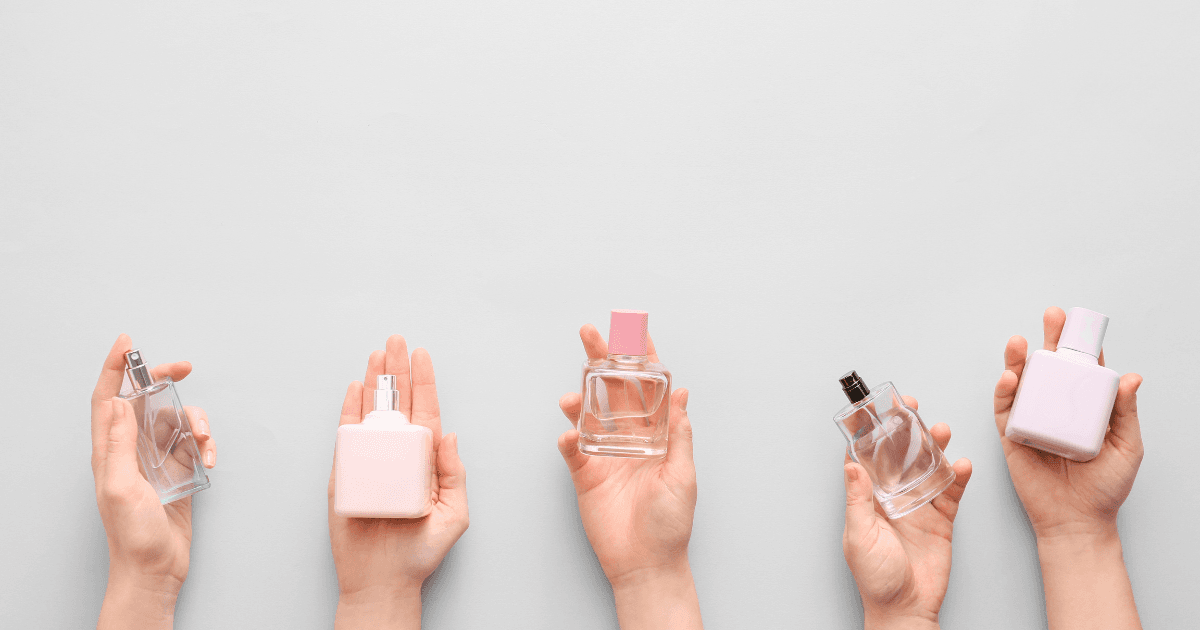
(384, 464)
(1066, 397)
(626, 397)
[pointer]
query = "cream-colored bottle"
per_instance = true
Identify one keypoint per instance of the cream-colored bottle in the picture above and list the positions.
(384, 464)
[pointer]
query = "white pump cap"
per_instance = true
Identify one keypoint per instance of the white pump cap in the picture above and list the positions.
(1084, 331)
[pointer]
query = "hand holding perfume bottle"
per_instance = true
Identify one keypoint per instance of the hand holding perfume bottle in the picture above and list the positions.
(901, 565)
(1072, 505)
(636, 507)
(382, 562)
(149, 533)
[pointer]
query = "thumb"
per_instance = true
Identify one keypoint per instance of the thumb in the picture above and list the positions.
(120, 452)
(860, 503)
(679, 442)
(452, 475)
(1125, 424)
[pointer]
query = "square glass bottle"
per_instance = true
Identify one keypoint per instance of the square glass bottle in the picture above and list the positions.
(626, 397)
(888, 438)
(167, 451)
(1066, 397)
(385, 463)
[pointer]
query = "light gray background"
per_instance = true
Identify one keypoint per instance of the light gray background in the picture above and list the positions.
(269, 189)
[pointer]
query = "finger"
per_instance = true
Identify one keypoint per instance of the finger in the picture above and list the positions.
(1100, 359)
(941, 434)
(1126, 428)
(425, 411)
(568, 445)
(909, 401)
(376, 364)
(571, 404)
(1014, 354)
(107, 386)
(651, 353)
(679, 441)
(947, 502)
(1053, 321)
(452, 475)
(120, 458)
(396, 363)
(1002, 398)
(177, 370)
(203, 434)
(593, 344)
(352, 405)
(860, 503)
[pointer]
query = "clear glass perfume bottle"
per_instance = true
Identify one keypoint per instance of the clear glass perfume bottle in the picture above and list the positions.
(166, 448)
(626, 398)
(888, 438)
(384, 464)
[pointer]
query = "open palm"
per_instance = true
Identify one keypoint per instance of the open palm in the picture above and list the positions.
(373, 553)
(1058, 492)
(637, 512)
(902, 566)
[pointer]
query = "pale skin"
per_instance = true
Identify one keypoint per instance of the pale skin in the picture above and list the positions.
(149, 543)
(637, 514)
(382, 562)
(902, 566)
(1072, 506)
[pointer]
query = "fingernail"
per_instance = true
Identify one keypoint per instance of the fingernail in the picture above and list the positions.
(455, 442)
(210, 458)
(851, 474)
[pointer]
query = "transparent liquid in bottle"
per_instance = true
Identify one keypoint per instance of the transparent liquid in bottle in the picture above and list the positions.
(167, 451)
(626, 405)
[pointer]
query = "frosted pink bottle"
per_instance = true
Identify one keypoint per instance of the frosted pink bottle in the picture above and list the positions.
(1066, 397)
(384, 464)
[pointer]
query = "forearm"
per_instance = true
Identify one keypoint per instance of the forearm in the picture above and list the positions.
(131, 602)
(658, 599)
(379, 610)
(1085, 579)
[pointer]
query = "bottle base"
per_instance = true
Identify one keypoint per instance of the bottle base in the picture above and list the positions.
(922, 491)
(623, 449)
(186, 490)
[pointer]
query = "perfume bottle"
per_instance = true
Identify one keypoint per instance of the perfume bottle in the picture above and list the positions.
(384, 464)
(626, 398)
(888, 438)
(166, 447)
(1065, 397)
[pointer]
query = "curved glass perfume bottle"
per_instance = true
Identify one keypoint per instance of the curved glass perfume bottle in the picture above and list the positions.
(167, 451)
(888, 438)
(626, 397)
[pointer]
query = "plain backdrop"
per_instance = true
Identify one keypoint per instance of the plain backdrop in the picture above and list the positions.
(791, 189)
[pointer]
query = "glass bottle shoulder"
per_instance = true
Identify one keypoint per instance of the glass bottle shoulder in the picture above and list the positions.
(163, 384)
(626, 366)
(882, 395)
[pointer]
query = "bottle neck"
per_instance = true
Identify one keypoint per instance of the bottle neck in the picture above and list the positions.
(628, 358)
(1077, 356)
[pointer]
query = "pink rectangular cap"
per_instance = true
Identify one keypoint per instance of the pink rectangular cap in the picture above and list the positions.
(627, 332)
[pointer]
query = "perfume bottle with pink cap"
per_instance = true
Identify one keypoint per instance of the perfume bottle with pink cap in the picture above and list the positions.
(1065, 397)
(626, 397)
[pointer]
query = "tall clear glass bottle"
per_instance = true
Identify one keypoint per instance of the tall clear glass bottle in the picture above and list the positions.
(167, 451)
(626, 397)
(888, 438)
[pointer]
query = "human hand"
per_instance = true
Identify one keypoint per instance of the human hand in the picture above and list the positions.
(1061, 496)
(902, 566)
(148, 543)
(637, 513)
(382, 562)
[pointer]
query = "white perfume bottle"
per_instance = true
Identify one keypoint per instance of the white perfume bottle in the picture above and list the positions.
(166, 447)
(384, 464)
(1066, 397)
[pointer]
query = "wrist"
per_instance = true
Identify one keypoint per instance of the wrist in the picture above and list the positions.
(878, 620)
(657, 597)
(137, 601)
(380, 609)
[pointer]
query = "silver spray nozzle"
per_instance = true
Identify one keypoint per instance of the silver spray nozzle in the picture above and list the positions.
(139, 374)
(387, 397)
